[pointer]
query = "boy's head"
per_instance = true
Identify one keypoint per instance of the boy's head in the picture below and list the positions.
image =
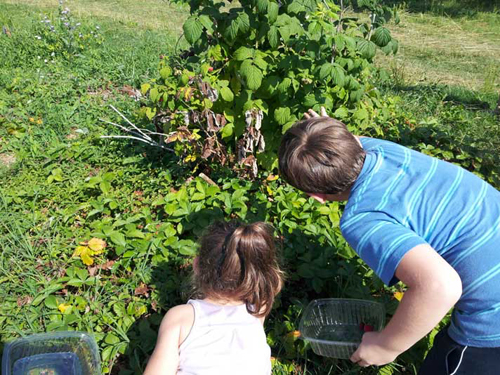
(320, 156)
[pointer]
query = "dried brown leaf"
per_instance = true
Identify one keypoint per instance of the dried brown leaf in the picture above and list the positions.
(142, 290)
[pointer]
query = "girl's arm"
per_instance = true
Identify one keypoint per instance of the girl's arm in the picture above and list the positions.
(174, 328)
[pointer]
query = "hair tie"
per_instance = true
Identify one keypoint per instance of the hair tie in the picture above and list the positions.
(224, 251)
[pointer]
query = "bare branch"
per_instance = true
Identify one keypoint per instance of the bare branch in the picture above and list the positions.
(150, 143)
(130, 123)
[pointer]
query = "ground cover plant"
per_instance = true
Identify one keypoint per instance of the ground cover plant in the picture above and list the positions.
(98, 234)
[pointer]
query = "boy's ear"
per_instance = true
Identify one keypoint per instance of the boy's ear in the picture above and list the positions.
(320, 197)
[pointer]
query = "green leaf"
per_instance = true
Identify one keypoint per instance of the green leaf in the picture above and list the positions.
(364, 3)
(284, 85)
(310, 100)
(232, 30)
(165, 72)
(243, 22)
(285, 32)
(273, 36)
(207, 23)
(227, 94)
(153, 94)
(381, 37)
(105, 187)
(338, 76)
(253, 75)
(295, 7)
(281, 115)
(306, 271)
(270, 84)
(135, 233)
(387, 49)
(193, 29)
(262, 5)
(341, 113)
(227, 131)
(244, 53)
(272, 11)
(260, 62)
(111, 339)
(360, 114)
(51, 302)
(144, 88)
(395, 46)
(215, 53)
(150, 112)
(118, 239)
(106, 353)
(367, 49)
(315, 30)
(287, 126)
(326, 71)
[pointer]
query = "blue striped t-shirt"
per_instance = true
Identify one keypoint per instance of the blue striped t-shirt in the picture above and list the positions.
(403, 198)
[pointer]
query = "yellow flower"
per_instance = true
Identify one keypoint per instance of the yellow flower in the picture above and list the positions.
(32, 119)
(39, 121)
(190, 158)
(398, 295)
(63, 307)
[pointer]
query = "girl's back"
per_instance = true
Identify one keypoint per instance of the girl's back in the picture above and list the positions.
(236, 277)
(224, 339)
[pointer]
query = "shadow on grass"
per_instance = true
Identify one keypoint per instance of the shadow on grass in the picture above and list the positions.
(453, 8)
(471, 100)
(457, 124)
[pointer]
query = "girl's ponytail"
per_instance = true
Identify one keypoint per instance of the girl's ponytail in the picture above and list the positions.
(240, 262)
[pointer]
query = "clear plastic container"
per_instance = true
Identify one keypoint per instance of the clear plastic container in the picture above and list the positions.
(334, 326)
(58, 353)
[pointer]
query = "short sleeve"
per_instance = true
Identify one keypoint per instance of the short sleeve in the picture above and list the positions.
(380, 241)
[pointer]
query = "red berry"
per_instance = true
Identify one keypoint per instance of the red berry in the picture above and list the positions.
(368, 328)
(210, 69)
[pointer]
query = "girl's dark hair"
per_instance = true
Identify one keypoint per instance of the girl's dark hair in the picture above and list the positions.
(320, 155)
(239, 262)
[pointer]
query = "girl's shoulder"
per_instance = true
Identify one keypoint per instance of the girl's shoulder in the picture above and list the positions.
(179, 318)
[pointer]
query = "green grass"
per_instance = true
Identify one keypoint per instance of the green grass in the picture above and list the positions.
(434, 49)
(50, 124)
(125, 14)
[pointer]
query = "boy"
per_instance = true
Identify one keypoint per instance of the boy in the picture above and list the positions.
(414, 218)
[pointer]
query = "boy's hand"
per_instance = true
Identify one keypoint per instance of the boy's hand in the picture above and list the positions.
(310, 113)
(372, 352)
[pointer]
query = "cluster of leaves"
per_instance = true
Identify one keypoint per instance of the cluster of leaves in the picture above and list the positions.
(253, 70)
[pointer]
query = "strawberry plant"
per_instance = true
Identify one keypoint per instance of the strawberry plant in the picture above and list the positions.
(252, 70)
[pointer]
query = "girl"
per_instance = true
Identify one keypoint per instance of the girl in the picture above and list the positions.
(237, 276)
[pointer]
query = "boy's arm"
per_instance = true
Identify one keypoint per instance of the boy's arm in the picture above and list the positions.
(433, 289)
(165, 358)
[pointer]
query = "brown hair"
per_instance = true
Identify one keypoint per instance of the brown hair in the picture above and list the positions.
(320, 155)
(239, 262)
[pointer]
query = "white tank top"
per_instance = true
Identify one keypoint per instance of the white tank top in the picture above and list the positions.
(224, 340)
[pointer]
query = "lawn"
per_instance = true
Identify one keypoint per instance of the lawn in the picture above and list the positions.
(62, 185)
